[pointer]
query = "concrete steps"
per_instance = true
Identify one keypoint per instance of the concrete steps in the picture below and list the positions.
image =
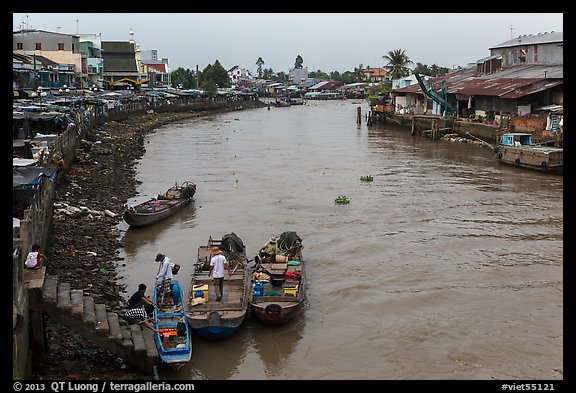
(133, 343)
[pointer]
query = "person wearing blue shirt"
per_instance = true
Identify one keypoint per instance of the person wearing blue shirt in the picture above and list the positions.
(139, 298)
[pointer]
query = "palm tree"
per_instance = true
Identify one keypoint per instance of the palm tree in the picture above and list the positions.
(397, 63)
(358, 74)
(259, 63)
(298, 62)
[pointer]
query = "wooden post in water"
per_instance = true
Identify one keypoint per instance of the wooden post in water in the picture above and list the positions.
(413, 125)
(359, 115)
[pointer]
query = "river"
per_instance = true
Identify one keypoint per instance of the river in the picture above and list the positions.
(448, 265)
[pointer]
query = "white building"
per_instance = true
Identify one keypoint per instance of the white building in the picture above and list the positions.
(238, 75)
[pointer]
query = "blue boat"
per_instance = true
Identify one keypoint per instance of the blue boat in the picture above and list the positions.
(211, 319)
(174, 339)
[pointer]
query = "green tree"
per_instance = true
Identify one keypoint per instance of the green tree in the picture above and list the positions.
(215, 73)
(259, 63)
(319, 75)
(268, 73)
(347, 77)
(184, 77)
(358, 74)
(298, 62)
(282, 76)
(210, 87)
(398, 63)
(433, 70)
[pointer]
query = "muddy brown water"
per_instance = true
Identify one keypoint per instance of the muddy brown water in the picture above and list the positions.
(448, 265)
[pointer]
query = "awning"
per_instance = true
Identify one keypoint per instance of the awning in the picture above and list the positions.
(20, 162)
(31, 175)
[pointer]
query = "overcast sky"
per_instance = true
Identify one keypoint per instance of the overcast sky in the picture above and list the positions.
(325, 41)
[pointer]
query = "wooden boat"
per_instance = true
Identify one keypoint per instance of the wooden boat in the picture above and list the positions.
(164, 205)
(174, 341)
(279, 286)
(213, 319)
(287, 101)
(517, 149)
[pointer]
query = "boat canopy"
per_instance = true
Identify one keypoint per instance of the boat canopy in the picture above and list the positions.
(517, 139)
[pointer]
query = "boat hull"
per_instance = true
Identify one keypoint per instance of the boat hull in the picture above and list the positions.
(540, 158)
(138, 219)
(211, 319)
(174, 341)
(216, 324)
(274, 312)
(282, 284)
(157, 209)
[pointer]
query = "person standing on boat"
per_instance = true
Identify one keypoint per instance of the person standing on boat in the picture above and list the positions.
(218, 266)
(139, 298)
(165, 273)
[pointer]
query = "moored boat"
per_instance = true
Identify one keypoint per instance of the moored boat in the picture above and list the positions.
(160, 207)
(208, 317)
(279, 285)
(516, 148)
(173, 341)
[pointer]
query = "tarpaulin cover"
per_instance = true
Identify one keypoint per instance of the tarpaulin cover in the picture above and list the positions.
(31, 174)
(288, 239)
(231, 242)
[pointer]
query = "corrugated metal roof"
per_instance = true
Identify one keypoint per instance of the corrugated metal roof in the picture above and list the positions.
(318, 85)
(532, 39)
(510, 83)
(327, 85)
(117, 47)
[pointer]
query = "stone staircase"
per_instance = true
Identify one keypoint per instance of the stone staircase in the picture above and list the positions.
(72, 308)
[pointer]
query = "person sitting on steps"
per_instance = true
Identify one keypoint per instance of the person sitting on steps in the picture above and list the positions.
(139, 314)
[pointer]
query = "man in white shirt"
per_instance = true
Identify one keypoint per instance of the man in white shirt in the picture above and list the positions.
(165, 273)
(218, 266)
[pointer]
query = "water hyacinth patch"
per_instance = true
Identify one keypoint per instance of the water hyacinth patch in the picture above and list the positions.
(342, 200)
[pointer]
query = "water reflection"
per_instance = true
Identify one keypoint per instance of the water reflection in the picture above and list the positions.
(445, 253)
(275, 344)
(135, 237)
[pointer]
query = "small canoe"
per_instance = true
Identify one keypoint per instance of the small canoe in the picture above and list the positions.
(279, 286)
(211, 319)
(156, 209)
(174, 341)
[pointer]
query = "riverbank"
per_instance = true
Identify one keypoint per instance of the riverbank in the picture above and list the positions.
(83, 248)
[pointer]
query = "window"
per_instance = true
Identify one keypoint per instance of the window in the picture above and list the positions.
(38, 46)
(535, 53)
(60, 46)
(19, 46)
(522, 56)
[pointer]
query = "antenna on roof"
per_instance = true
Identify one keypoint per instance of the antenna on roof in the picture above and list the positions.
(511, 32)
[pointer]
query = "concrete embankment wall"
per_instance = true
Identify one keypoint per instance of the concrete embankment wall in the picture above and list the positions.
(28, 326)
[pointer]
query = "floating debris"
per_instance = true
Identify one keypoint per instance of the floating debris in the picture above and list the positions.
(367, 178)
